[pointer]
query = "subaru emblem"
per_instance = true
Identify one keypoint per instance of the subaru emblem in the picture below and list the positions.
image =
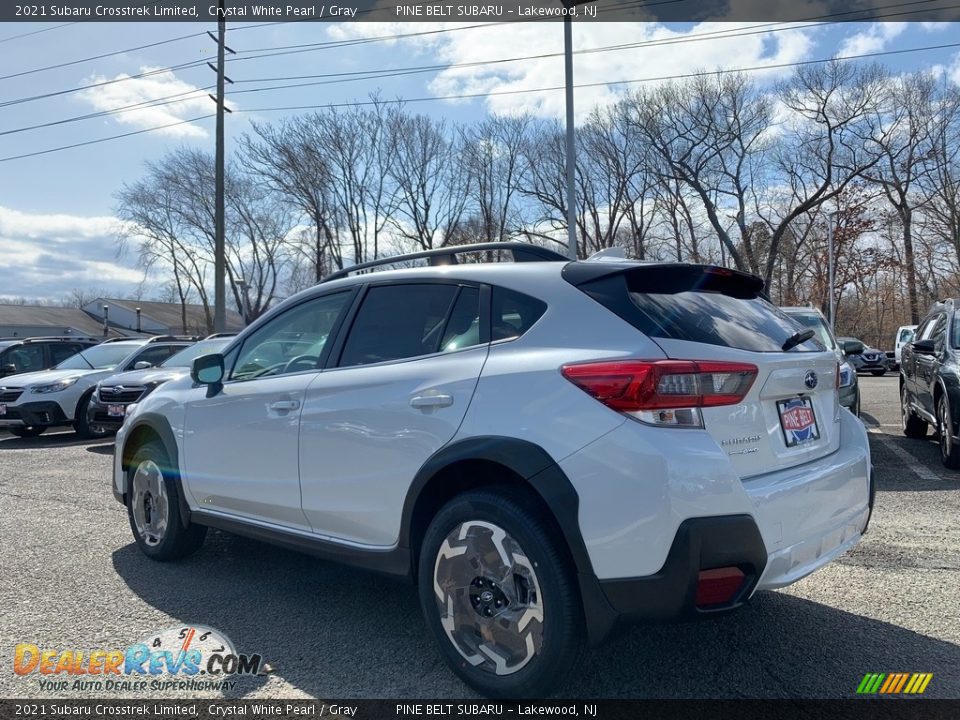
(810, 379)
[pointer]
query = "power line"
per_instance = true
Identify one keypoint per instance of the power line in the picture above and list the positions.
(467, 96)
(360, 75)
(36, 32)
(106, 139)
(100, 57)
(681, 76)
(348, 77)
(375, 74)
(143, 105)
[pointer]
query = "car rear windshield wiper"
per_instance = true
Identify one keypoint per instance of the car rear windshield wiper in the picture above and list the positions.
(797, 338)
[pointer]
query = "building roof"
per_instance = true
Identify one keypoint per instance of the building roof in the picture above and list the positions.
(58, 319)
(168, 315)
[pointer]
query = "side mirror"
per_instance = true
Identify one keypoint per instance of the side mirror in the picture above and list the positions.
(852, 347)
(142, 365)
(7, 370)
(923, 347)
(207, 369)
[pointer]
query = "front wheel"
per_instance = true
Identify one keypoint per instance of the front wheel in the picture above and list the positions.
(500, 595)
(153, 507)
(26, 432)
(949, 450)
(82, 425)
(913, 426)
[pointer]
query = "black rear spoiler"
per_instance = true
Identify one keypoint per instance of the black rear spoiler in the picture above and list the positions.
(668, 278)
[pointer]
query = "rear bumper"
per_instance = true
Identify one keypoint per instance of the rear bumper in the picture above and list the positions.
(700, 544)
(34, 414)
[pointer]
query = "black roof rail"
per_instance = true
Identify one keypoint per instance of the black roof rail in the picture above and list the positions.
(522, 252)
(220, 335)
(51, 338)
(170, 338)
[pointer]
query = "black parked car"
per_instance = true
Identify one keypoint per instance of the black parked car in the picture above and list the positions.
(870, 360)
(930, 381)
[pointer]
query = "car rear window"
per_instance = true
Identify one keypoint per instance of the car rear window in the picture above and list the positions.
(702, 304)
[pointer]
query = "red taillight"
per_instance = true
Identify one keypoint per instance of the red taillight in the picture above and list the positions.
(719, 586)
(637, 385)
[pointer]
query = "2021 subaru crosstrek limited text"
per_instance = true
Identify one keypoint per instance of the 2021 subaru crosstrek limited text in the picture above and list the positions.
(546, 448)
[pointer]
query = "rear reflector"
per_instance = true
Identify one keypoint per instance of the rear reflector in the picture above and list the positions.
(638, 385)
(718, 586)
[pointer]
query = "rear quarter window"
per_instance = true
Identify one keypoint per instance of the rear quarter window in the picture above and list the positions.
(699, 304)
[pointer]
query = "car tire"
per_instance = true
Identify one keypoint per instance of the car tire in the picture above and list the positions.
(949, 450)
(153, 508)
(913, 426)
(878, 373)
(82, 426)
(26, 432)
(527, 646)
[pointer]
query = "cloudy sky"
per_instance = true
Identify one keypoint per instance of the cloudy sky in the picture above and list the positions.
(56, 226)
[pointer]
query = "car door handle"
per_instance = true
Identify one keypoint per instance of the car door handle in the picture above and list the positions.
(285, 405)
(431, 401)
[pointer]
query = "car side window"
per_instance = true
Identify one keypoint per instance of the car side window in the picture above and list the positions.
(926, 328)
(514, 313)
(61, 351)
(396, 322)
(27, 358)
(463, 325)
(291, 342)
(154, 355)
(939, 333)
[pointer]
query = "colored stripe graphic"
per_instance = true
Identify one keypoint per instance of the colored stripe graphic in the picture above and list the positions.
(894, 683)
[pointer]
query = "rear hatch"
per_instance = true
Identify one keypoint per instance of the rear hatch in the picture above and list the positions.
(790, 415)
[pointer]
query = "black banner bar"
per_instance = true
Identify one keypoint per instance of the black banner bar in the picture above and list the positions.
(854, 709)
(503, 11)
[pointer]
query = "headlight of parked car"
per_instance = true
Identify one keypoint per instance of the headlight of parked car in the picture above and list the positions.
(55, 387)
(847, 375)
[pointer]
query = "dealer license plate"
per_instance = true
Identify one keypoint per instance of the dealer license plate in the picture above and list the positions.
(798, 421)
(116, 410)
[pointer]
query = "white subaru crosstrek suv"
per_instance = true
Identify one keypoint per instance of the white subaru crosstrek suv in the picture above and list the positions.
(545, 447)
(32, 402)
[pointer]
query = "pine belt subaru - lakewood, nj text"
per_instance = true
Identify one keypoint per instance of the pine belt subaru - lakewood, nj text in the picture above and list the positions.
(545, 447)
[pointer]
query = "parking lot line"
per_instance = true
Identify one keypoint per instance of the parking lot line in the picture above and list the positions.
(913, 464)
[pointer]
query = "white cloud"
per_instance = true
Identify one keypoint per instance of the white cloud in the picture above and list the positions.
(669, 58)
(874, 39)
(44, 256)
(185, 101)
(936, 26)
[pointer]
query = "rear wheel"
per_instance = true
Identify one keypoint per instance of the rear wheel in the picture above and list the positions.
(153, 507)
(500, 596)
(913, 426)
(949, 450)
(26, 432)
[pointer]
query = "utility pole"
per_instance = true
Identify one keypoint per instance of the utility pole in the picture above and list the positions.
(830, 267)
(219, 255)
(571, 140)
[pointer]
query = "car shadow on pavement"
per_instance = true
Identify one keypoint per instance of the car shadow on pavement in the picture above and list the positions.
(47, 440)
(105, 449)
(332, 631)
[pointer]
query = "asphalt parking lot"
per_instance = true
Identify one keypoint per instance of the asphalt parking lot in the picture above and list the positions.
(73, 579)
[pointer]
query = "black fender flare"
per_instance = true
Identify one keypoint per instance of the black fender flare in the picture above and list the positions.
(159, 426)
(540, 472)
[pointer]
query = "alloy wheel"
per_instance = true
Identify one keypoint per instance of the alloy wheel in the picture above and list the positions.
(150, 503)
(489, 598)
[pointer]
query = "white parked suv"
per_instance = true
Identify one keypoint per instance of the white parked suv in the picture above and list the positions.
(545, 447)
(32, 402)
